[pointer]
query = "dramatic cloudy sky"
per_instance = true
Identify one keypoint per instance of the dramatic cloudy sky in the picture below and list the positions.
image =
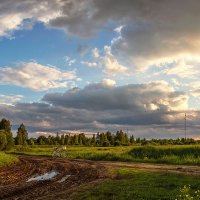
(96, 65)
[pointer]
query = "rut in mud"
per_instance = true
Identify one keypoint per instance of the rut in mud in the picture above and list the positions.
(17, 181)
(14, 182)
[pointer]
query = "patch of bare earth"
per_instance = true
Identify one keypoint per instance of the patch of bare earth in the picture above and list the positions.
(70, 174)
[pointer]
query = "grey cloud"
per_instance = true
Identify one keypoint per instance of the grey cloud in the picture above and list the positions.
(128, 97)
(154, 31)
(99, 107)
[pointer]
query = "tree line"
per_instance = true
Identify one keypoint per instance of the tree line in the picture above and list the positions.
(7, 141)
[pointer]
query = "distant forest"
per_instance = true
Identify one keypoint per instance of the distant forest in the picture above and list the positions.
(7, 141)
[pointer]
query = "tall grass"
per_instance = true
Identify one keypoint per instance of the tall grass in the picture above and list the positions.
(185, 154)
(6, 159)
(168, 154)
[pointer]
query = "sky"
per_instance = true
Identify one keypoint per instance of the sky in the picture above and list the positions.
(93, 66)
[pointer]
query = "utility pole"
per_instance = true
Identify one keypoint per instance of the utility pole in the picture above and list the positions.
(185, 126)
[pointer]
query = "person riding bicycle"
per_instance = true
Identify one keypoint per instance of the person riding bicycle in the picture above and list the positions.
(63, 151)
(55, 152)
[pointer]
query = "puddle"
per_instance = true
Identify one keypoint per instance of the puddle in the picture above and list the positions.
(64, 179)
(46, 176)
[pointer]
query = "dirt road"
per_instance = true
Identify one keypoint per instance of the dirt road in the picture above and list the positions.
(70, 174)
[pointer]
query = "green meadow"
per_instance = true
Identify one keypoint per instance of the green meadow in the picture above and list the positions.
(141, 185)
(172, 154)
(6, 159)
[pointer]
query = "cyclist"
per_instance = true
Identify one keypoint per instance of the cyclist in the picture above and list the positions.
(63, 151)
(55, 152)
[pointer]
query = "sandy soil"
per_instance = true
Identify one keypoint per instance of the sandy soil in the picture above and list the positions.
(71, 174)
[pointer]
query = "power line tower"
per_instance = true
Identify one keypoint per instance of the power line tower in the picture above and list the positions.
(185, 126)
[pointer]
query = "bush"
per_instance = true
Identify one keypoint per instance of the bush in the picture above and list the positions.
(117, 143)
(106, 144)
(187, 194)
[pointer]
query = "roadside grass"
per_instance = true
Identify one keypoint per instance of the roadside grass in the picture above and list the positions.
(182, 154)
(185, 154)
(137, 184)
(6, 159)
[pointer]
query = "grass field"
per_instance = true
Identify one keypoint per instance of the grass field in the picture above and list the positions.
(131, 183)
(137, 184)
(6, 159)
(182, 154)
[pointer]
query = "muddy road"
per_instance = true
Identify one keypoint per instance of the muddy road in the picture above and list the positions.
(17, 182)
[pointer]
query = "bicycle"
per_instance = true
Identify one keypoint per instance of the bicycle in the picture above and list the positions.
(59, 153)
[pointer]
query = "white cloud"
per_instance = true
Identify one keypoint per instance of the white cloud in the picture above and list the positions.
(119, 29)
(89, 64)
(10, 99)
(111, 64)
(36, 76)
(13, 13)
(149, 35)
(108, 82)
(182, 70)
(95, 53)
(175, 82)
(145, 106)
(69, 60)
(196, 93)
(195, 84)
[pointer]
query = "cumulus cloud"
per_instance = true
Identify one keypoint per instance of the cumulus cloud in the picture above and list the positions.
(111, 64)
(101, 106)
(36, 76)
(14, 12)
(128, 97)
(183, 69)
(153, 32)
(10, 99)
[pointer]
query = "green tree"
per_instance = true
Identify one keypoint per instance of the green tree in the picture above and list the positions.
(57, 139)
(22, 135)
(93, 140)
(62, 140)
(76, 140)
(120, 136)
(132, 139)
(31, 142)
(42, 140)
(110, 137)
(6, 127)
(106, 142)
(101, 139)
(3, 140)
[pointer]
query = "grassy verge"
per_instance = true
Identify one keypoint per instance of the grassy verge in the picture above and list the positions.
(6, 159)
(184, 154)
(137, 184)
